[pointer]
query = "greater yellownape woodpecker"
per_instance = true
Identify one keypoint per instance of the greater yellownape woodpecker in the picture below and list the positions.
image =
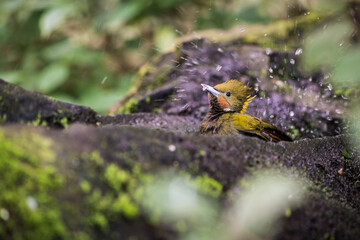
(228, 103)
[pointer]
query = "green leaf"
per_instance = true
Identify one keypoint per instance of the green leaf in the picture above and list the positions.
(11, 76)
(53, 19)
(165, 38)
(347, 69)
(123, 13)
(329, 6)
(325, 46)
(52, 77)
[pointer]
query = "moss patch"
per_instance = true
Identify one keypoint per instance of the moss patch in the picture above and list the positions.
(131, 106)
(208, 186)
(28, 183)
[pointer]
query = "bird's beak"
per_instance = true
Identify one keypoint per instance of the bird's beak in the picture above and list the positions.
(210, 89)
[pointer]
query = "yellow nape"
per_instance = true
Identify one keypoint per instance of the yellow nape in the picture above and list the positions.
(246, 103)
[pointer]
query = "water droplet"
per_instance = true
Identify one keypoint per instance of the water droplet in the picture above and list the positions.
(4, 214)
(292, 61)
(185, 106)
(218, 68)
(338, 111)
(298, 51)
(32, 203)
(172, 148)
(104, 80)
(179, 32)
(291, 113)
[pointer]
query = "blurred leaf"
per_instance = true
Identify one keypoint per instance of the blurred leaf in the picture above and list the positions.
(11, 77)
(52, 77)
(100, 99)
(164, 38)
(53, 18)
(124, 13)
(325, 46)
(58, 50)
(346, 71)
(267, 197)
(329, 5)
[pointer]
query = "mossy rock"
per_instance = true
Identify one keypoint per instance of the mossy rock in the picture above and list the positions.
(88, 182)
(19, 105)
(285, 96)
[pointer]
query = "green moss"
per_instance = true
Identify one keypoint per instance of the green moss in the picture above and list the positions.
(119, 195)
(3, 118)
(261, 94)
(131, 106)
(208, 186)
(157, 110)
(27, 187)
(93, 157)
(64, 122)
(123, 204)
(100, 221)
(201, 154)
(116, 177)
(346, 154)
(37, 121)
(295, 133)
(85, 186)
(288, 212)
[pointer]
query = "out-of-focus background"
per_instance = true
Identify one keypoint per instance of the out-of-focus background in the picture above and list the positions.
(86, 52)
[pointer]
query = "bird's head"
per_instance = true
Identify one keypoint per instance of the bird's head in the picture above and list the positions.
(230, 96)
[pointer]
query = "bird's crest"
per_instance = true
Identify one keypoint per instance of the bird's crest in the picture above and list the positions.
(246, 103)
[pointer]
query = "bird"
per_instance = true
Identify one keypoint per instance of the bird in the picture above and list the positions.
(228, 103)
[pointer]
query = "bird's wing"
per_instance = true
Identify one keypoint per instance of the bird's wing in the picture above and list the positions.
(250, 124)
(246, 123)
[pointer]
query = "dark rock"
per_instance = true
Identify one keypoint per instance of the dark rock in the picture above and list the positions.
(185, 124)
(18, 105)
(85, 153)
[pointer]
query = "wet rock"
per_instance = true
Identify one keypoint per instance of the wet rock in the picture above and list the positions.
(185, 124)
(20, 106)
(87, 156)
(304, 106)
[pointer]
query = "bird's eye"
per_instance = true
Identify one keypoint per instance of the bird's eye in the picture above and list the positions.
(228, 94)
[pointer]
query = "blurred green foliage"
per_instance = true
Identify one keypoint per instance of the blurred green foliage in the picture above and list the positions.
(87, 51)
